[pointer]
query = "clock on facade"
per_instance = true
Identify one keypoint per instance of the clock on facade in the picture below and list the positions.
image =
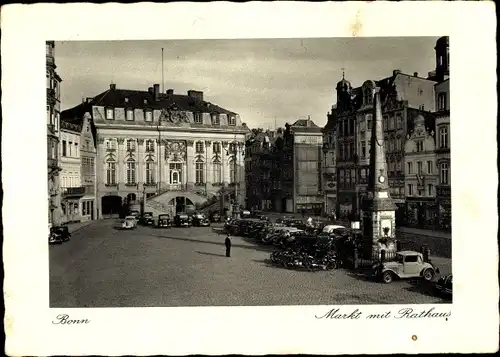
(381, 179)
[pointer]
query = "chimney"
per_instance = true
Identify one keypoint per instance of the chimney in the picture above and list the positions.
(170, 91)
(396, 72)
(196, 95)
(156, 89)
(112, 86)
(89, 99)
(150, 90)
(415, 74)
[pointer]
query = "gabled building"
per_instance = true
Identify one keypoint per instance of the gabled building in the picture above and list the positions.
(404, 97)
(172, 150)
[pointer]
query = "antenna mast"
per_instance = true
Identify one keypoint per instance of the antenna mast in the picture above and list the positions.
(162, 79)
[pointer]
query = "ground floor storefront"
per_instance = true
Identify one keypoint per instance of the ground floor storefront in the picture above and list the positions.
(421, 213)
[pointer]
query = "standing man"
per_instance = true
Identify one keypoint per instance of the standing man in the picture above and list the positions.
(228, 246)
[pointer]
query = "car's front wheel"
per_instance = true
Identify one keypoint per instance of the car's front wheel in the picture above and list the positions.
(428, 274)
(387, 277)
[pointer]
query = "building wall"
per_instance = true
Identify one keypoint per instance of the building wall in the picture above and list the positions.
(329, 172)
(171, 146)
(88, 206)
(416, 91)
(53, 82)
(421, 176)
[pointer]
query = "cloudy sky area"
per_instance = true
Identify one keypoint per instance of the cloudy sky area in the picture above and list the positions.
(260, 79)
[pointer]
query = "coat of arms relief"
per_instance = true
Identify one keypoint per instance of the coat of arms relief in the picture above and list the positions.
(175, 150)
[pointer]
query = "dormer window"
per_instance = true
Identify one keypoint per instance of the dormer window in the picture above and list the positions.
(232, 120)
(215, 119)
(126, 100)
(130, 114)
(130, 145)
(199, 147)
(198, 119)
(148, 115)
(110, 114)
(145, 101)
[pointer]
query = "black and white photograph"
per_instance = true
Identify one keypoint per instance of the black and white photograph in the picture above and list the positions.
(216, 173)
(324, 162)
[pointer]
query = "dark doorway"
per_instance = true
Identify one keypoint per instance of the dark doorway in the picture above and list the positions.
(180, 204)
(111, 205)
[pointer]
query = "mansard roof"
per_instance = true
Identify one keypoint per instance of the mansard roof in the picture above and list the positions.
(126, 98)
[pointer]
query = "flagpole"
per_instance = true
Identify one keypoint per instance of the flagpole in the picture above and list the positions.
(162, 79)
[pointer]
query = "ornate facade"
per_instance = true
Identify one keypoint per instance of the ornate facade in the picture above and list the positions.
(53, 132)
(173, 150)
(421, 174)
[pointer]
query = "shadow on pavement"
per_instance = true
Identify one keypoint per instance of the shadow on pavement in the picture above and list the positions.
(362, 276)
(423, 287)
(213, 254)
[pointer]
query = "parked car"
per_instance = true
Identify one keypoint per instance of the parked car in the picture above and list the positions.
(147, 219)
(200, 220)
(215, 217)
(408, 264)
(58, 235)
(129, 222)
(164, 221)
(444, 285)
(134, 213)
(182, 220)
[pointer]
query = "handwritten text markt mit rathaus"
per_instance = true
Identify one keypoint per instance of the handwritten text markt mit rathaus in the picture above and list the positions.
(405, 313)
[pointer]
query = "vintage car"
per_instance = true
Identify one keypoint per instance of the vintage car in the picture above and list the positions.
(408, 264)
(331, 228)
(134, 213)
(164, 221)
(147, 219)
(444, 285)
(182, 220)
(129, 222)
(200, 220)
(215, 217)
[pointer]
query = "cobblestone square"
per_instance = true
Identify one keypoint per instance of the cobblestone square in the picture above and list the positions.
(149, 267)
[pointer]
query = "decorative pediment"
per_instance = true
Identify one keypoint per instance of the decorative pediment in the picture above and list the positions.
(173, 116)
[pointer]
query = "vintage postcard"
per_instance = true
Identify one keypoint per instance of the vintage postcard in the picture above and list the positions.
(200, 177)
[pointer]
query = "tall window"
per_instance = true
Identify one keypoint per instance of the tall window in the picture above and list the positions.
(410, 189)
(410, 168)
(150, 146)
(217, 172)
(150, 179)
(429, 167)
(232, 120)
(111, 173)
(129, 114)
(443, 173)
(131, 172)
(70, 145)
(232, 171)
(200, 171)
(77, 153)
(216, 149)
(64, 148)
(110, 113)
(369, 124)
(419, 167)
(91, 165)
(420, 145)
(130, 145)
(200, 147)
(430, 190)
(148, 115)
(441, 101)
(111, 145)
(363, 149)
(399, 121)
(443, 138)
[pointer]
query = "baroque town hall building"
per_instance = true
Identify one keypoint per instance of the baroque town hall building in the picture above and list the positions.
(412, 111)
(173, 150)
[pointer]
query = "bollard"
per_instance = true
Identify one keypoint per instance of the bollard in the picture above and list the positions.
(355, 258)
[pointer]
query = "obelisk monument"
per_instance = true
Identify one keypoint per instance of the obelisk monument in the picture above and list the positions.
(379, 210)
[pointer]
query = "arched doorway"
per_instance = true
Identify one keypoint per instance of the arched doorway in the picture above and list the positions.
(180, 204)
(131, 198)
(111, 205)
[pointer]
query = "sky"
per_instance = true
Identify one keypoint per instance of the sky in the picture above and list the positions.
(267, 82)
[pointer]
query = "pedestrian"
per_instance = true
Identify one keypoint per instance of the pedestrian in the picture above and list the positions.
(228, 246)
